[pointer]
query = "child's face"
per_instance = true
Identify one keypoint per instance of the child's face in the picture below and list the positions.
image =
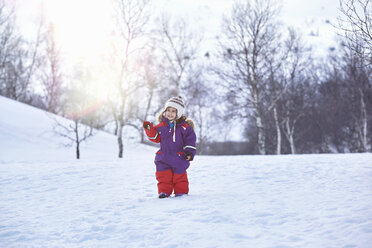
(171, 113)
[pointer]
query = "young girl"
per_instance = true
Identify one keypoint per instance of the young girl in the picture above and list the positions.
(177, 148)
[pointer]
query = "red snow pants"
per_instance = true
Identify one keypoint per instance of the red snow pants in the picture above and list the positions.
(169, 181)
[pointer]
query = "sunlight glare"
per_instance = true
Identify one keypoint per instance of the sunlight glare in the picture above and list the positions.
(82, 27)
(83, 31)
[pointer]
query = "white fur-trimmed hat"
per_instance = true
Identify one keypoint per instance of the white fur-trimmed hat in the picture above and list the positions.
(177, 103)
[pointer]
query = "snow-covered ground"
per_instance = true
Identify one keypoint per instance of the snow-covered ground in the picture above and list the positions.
(49, 199)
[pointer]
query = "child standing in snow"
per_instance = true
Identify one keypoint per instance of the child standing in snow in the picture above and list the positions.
(177, 139)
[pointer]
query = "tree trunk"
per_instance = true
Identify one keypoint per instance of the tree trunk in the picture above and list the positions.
(290, 133)
(261, 135)
(116, 128)
(77, 150)
(364, 129)
(77, 139)
(259, 123)
(278, 133)
(120, 140)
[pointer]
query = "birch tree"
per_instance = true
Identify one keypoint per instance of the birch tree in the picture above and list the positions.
(355, 23)
(250, 35)
(295, 98)
(358, 82)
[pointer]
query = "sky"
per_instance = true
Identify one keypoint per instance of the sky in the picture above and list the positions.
(84, 28)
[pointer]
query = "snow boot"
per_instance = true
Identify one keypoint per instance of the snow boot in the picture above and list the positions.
(180, 194)
(163, 195)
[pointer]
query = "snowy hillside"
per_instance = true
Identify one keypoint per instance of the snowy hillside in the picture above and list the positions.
(48, 199)
(27, 133)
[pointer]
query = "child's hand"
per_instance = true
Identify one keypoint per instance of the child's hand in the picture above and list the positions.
(188, 157)
(147, 125)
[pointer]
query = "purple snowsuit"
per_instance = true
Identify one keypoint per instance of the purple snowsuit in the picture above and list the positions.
(175, 144)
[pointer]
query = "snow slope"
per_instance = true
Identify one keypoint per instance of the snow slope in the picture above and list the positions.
(235, 201)
(26, 133)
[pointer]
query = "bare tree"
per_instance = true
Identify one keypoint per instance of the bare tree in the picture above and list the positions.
(80, 107)
(201, 104)
(51, 76)
(9, 42)
(251, 34)
(11, 55)
(277, 84)
(152, 81)
(19, 58)
(356, 25)
(73, 129)
(75, 132)
(293, 102)
(358, 81)
(178, 45)
(132, 19)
